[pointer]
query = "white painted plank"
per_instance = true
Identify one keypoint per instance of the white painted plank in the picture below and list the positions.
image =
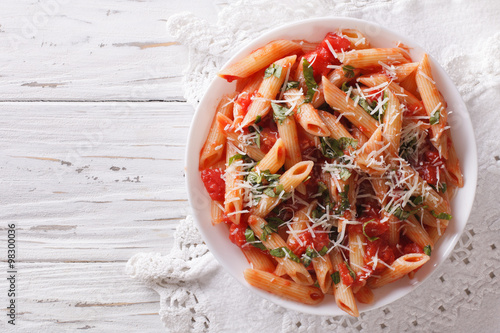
(96, 297)
(92, 181)
(91, 50)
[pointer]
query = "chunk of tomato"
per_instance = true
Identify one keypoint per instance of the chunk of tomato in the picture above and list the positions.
(337, 42)
(215, 185)
(376, 251)
(317, 240)
(237, 233)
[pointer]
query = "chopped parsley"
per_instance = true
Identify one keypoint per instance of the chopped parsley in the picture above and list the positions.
(256, 130)
(258, 119)
(330, 148)
(274, 220)
(344, 201)
(255, 177)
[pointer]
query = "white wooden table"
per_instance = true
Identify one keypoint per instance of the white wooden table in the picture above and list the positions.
(93, 131)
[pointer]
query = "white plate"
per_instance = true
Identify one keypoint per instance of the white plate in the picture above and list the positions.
(216, 237)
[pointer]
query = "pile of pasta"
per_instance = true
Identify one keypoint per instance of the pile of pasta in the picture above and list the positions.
(332, 166)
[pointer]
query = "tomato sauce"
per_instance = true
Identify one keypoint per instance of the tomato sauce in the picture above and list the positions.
(244, 100)
(430, 166)
(347, 279)
(268, 138)
(306, 239)
(229, 78)
(215, 185)
(237, 233)
(381, 249)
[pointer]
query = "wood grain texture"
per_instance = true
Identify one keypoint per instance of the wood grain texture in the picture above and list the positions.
(92, 50)
(93, 131)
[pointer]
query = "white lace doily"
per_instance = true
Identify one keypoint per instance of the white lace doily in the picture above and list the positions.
(197, 295)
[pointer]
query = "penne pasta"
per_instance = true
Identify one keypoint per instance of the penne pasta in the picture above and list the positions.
(340, 102)
(337, 77)
(365, 295)
(290, 180)
(259, 59)
(344, 296)
(357, 39)
(434, 104)
(233, 200)
(213, 149)
(401, 72)
(296, 271)
(268, 89)
(416, 233)
(226, 125)
(393, 121)
(402, 266)
(258, 260)
(373, 57)
(336, 129)
(283, 287)
(454, 174)
(305, 114)
(403, 95)
(216, 212)
(274, 159)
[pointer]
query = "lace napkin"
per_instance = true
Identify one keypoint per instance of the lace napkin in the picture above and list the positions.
(198, 295)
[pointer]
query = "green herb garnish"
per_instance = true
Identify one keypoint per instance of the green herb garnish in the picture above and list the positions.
(371, 239)
(309, 80)
(250, 238)
(282, 252)
(280, 113)
(441, 216)
(292, 85)
(418, 200)
(344, 201)
(427, 250)
(336, 277)
(351, 272)
(267, 230)
(348, 71)
(273, 70)
(435, 117)
(236, 157)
